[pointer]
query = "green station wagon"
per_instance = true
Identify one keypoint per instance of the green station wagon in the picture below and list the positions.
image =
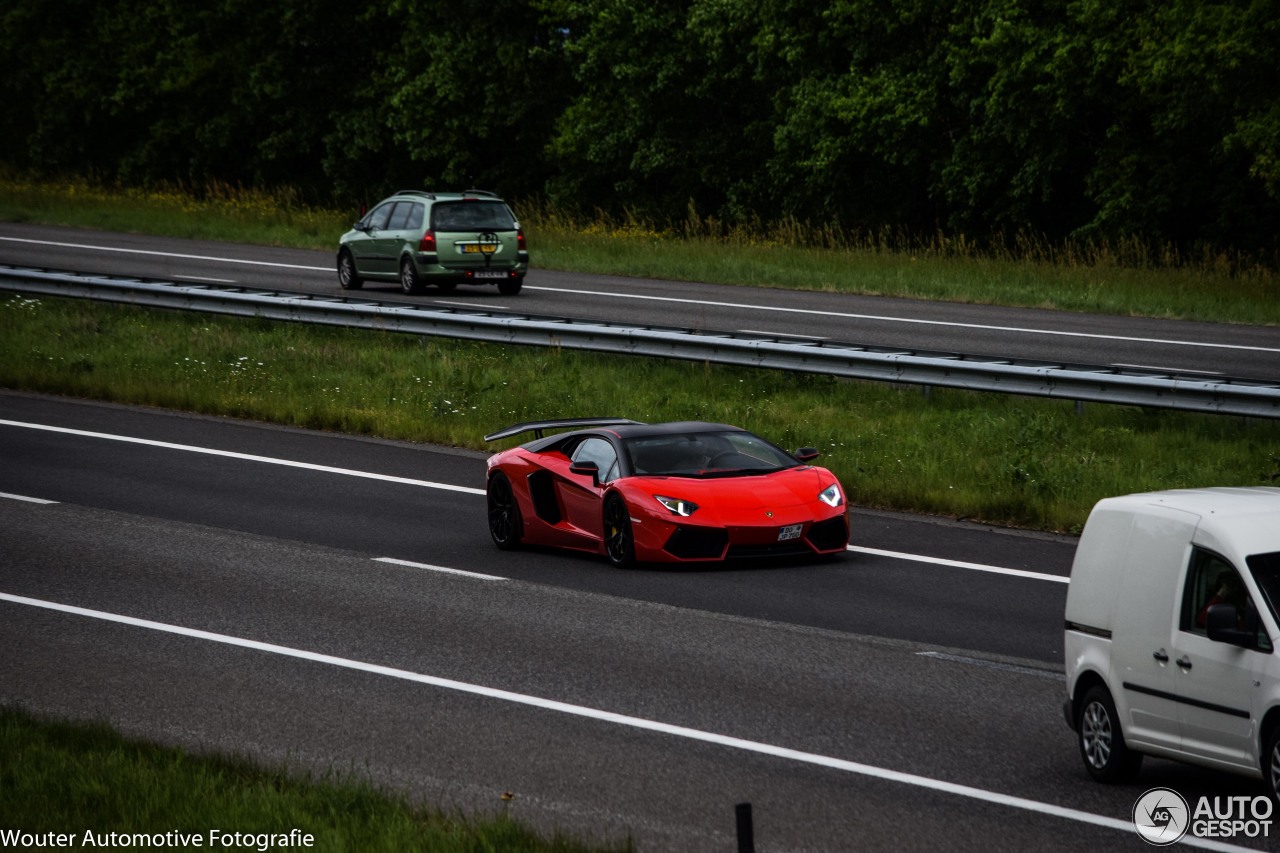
(445, 239)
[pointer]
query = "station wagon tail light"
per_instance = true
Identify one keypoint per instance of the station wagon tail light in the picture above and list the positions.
(677, 506)
(520, 239)
(428, 242)
(831, 495)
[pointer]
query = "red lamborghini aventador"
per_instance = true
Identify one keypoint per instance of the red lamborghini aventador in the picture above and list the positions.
(673, 492)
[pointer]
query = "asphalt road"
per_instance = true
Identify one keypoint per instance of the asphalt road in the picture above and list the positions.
(1210, 349)
(227, 586)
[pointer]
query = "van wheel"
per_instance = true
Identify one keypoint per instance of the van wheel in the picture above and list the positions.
(1271, 762)
(1102, 745)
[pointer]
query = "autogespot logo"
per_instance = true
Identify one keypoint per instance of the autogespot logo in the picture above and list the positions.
(1161, 816)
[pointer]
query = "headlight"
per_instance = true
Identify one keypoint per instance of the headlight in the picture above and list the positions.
(677, 506)
(831, 495)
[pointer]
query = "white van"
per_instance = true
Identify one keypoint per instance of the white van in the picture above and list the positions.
(1171, 632)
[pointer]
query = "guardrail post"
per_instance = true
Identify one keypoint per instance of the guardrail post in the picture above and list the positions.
(746, 833)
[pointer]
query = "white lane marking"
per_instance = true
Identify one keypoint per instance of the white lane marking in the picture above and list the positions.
(25, 498)
(206, 278)
(167, 254)
(958, 564)
(473, 491)
(485, 306)
(991, 664)
(782, 334)
(952, 324)
(781, 752)
(1169, 369)
(431, 568)
(327, 469)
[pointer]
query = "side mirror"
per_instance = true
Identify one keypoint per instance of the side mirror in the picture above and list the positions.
(1222, 622)
(586, 469)
(806, 454)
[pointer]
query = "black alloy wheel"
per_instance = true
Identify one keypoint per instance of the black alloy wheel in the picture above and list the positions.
(504, 512)
(619, 546)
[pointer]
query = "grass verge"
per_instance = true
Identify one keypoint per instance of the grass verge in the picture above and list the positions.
(80, 780)
(997, 458)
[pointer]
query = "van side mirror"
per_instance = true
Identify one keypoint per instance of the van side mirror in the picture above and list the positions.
(806, 454)
(587, 469)
(1222, 621)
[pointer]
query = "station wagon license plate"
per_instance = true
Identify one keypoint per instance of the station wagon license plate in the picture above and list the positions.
(791, 531)
(489, 274)
(479, 248)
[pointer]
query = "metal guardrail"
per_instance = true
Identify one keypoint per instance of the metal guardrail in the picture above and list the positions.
(1079, 382)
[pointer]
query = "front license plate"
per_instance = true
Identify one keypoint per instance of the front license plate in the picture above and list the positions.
(791, 531)
(481, 248)
(489, 274)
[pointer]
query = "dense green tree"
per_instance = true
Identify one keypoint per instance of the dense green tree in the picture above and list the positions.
(1158, 119)
(471, 93)
(666, 112)
(864, 108)
(145, 90)
(53, 78)
(1194, 157)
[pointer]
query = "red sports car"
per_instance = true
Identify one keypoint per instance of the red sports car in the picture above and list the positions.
(674, 492)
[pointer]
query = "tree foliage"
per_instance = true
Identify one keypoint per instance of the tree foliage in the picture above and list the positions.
(1098, 118)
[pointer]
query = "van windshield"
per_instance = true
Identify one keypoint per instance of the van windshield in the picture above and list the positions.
(1266, 574)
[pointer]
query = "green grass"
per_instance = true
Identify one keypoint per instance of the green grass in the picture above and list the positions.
(996, 458)
(73, 778)
(1126, 279)
(215, 212)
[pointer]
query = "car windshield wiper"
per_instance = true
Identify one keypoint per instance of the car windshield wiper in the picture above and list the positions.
(712, 473)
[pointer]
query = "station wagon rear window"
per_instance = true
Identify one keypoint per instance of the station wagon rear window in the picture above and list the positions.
(472, 216)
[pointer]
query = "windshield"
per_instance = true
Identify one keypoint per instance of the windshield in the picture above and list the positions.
(1266, 574)
(706, 454)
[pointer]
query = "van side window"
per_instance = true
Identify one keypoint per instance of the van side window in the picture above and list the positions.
(1212, 580)
(1265, 569)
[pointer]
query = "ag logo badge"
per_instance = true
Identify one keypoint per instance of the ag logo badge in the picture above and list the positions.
(1161, 816)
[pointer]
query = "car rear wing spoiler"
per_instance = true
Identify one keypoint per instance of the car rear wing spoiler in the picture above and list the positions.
(537, 427)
